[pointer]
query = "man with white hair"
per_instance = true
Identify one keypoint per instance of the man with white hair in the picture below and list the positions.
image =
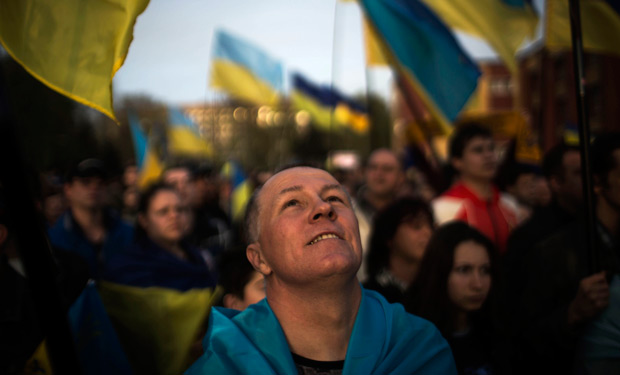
(304, 239)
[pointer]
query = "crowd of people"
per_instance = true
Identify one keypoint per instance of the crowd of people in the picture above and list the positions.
(498, 263)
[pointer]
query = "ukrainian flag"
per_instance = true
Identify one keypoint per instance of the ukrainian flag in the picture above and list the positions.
(139, 139)
(184, 137)
(152, 168)
(98, 348)
(245, 71)
(504, 24)
(600, 25)
(158, 326)
(150, 165)
(326, 106)
(241, 189)
(427, 55)
(73, 46)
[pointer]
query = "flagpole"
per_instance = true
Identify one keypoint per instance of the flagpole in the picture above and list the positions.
(333, 68)
(584, 134)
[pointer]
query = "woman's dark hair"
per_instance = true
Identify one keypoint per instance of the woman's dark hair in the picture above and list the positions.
(145, 201)
(385, 225)
(428, 295)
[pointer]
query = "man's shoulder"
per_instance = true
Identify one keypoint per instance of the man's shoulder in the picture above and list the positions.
(248, 341)
(387, 339)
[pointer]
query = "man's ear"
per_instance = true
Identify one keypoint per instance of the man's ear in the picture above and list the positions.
(255, 256)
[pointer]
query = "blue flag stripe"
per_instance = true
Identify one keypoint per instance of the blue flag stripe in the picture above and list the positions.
(426, 48)
(238, 51)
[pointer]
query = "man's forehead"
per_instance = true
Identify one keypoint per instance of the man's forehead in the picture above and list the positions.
(383, 157)
(296, 179)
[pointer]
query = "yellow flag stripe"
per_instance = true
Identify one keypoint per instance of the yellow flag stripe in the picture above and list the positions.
(241, 83)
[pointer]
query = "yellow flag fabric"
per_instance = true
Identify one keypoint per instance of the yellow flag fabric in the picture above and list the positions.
(73, 46)
(600, 26)
(184, 137)
(320, 114)
(375, 53)
(503, 26)
(241, 189)
(183, 141)
(349, 117)
(158, 326)
(39, 363)
(151, 170)
(241, 83)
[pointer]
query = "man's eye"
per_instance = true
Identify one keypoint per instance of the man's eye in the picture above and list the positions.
(291, 203)
(334, 199)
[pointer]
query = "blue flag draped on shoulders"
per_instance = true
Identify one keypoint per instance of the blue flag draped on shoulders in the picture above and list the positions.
(327, 106)
(245, 71)
(427, 55)
(385, 340)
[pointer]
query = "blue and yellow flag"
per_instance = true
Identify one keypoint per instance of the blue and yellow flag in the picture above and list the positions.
(327, 106)
(245, 71)
(97, 345)
(504, 24)
(158, 326)
(139, 139)
(184, 137)
(241, 189)
(152, 166)
(600, 25)
(73, 46)
(426, 54)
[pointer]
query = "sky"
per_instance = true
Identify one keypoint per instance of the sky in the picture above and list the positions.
(169, 58)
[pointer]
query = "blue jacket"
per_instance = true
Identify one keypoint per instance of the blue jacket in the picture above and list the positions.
(385, 340)
(66, 234)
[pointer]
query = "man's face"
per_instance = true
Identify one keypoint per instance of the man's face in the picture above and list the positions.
(478, 161)
(180, 179)
(524, 189)
(307, 228)
(568, 186)
(383, 173)
(85, 192)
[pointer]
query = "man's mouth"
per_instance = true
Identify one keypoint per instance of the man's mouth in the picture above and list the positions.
(323, 237)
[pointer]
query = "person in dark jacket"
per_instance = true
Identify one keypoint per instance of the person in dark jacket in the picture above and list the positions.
(159, 256)
(397, 244)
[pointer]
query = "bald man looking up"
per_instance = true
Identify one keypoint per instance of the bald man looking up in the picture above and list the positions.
(316, 318)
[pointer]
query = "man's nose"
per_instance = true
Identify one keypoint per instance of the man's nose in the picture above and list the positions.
(323, 209)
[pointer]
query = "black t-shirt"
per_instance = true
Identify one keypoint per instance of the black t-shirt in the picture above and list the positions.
(306, 366)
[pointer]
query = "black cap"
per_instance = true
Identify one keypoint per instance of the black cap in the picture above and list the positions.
(87, 168)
